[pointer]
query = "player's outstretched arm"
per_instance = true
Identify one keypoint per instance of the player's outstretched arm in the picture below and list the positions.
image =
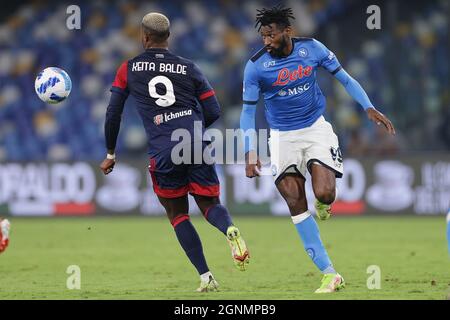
(112, 127)
(205, 96)
(379, 118)
(211, 108)
(250, 99)
(119, 94)
(247, 123)
(355, 90)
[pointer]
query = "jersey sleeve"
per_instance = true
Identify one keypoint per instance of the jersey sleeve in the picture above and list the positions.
(203, 89)
(327, 59)
(120, 83)
(206, 96)
(250, 88)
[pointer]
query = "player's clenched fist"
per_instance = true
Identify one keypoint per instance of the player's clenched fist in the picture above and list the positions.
(107, 165)
(252, 164)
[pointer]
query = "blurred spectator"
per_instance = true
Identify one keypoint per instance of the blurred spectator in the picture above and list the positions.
(384, 144)
(358, 144)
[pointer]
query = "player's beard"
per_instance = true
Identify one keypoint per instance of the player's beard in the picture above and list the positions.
(279, 52)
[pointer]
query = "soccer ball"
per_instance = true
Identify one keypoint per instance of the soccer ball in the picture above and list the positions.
(53, 85)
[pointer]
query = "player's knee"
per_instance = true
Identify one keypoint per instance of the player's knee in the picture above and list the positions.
(325, 194)
(171, 215)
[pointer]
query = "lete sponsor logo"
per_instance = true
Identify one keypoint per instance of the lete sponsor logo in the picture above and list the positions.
(285, 75)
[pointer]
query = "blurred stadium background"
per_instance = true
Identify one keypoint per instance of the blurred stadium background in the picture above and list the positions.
(404, 67)
(49, 154)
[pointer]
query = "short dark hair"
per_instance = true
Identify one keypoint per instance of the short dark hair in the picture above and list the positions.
(277, 15)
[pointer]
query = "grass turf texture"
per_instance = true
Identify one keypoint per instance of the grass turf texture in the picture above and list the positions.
(139, 258)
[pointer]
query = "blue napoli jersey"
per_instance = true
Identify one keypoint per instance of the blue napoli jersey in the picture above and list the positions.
(168, 90)
(293, 99)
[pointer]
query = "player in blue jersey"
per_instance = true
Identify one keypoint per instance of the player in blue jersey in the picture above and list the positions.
(284, 73)
(171, 93)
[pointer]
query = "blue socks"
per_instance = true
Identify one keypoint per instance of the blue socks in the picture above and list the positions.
(219, 217)
(190, 242)
(309, 233)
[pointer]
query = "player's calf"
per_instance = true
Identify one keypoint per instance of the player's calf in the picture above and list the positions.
(218, 216)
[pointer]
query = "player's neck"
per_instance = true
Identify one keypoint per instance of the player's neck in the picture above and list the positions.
(163, 45)
(288, 49)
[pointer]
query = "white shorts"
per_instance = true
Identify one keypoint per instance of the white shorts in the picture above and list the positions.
(294, 151)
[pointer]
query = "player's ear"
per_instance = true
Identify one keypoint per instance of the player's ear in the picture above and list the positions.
(288, 30)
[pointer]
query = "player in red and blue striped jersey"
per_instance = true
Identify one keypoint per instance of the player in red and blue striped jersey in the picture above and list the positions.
(172, 93)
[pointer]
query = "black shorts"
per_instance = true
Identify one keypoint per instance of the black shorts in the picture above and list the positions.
(176, 180)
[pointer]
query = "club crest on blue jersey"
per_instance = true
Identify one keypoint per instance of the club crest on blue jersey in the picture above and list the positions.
(302, 52)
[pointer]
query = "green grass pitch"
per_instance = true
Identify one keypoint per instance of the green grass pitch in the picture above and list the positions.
(139, 258)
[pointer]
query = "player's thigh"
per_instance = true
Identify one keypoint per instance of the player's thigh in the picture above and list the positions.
(323, 182)
(286, 155)
(203, 180)
(323, 149)
(175, 206)
(292, 188)
(169, 180)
